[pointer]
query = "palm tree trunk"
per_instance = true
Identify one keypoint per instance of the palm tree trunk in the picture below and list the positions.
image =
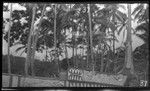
(88, 51)
(107, 65)
(113, 20)
(46, 53)
(29, 42)
(66, 53)
(74, 63)
(129, 60)
(102, 61)
(113, 51)
(82, 62)
(55, 39)
(113, 44)
(76, 59)
(46, 48)
(9, 62)
(91, 43)
(51, 57)
(35, 41)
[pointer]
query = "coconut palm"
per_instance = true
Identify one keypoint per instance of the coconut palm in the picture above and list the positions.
(128, 59)
(109, 18)
(66, 52)
(35, 40)
(117, 16)
(9, 66)
(91, 42)
(141, 15)
(128, 44)
(8, 56)
(28, 58)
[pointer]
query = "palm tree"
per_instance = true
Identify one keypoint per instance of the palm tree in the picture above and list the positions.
(28, 58)
(91, 43)
(141, 15)
(76, 48)
(9, 63)
(88, 51)
(65, 29)
(117, 17)
(35, 41)
(128, 44)
(73, 42)
(46, 57)
(109, 18)
(128, 59)
(55, 39)
(66, 52)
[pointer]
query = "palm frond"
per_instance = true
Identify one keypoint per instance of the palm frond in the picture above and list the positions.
(19, 48)
(17, 43)
(112, 26)
(139, 7)
(138, 13)
(142, 27)
(120, 29)
(118, 18)
(141, 36)
(76, 6)
(23, 51)
(121, 6)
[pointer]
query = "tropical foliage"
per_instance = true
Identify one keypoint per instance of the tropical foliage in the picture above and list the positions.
(90, 28)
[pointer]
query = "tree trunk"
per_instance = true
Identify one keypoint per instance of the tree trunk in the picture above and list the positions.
(102, 64)
(9, 62)
(107, 63)
(113, 20)
(129, 68)
(46, 55)
(35, 41)
(91, 43)
(113, 51)
(88, 51)
(66, 53)
(55, 38)
(46, 48)
(102, 61)
(29, 42)
(82, 50)
(76, 58)
(129, 60)
(113, 43)
(74, 63)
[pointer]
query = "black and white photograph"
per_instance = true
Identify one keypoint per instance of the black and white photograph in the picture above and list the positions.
(75, 45)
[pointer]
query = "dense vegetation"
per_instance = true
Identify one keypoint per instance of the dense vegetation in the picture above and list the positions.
(43, 69)
(92, 29)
